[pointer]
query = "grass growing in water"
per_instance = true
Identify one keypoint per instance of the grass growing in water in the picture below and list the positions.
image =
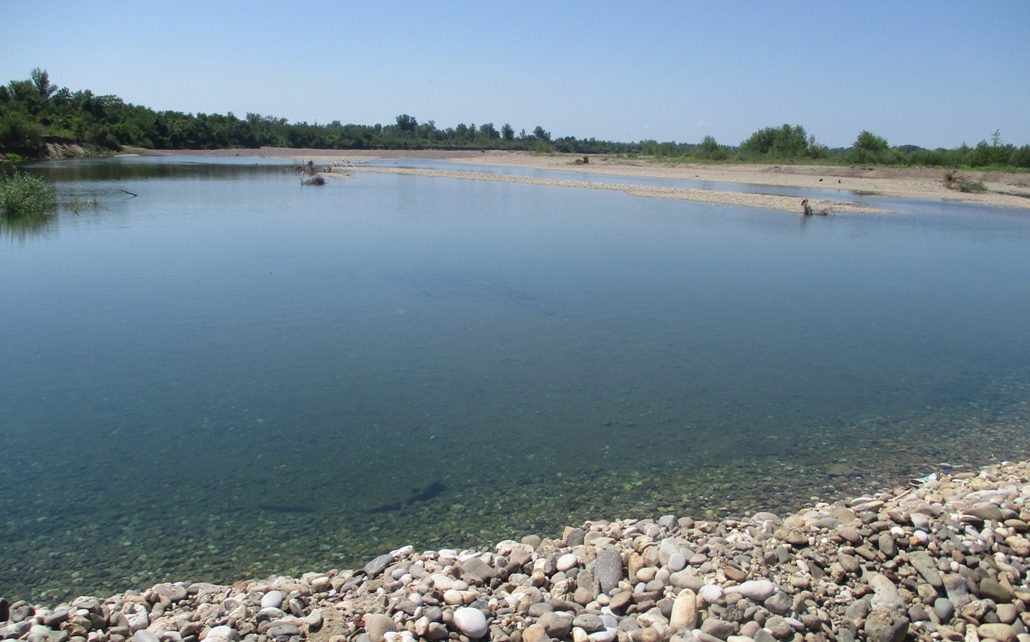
(26, 196)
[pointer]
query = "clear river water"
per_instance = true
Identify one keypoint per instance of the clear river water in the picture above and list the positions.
(230, 375)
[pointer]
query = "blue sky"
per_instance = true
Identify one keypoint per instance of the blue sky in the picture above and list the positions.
(930, 73)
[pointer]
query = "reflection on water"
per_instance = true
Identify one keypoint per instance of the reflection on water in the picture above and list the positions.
(20, 228)
(232, 375)
(154, 167)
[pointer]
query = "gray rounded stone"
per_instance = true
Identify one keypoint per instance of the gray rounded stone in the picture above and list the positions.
(718, 628)
(589, 622)
(556, 625)
(944, 608)
(676, 562)
(608, 569)
(778, 603)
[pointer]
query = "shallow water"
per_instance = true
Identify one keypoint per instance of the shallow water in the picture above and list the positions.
(230, 375)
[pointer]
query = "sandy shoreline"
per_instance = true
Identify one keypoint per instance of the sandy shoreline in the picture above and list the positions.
(1011, 190)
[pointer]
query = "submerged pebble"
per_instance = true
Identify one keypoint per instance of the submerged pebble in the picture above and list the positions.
(851, 570)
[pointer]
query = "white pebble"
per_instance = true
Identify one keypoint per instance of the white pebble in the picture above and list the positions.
(756, 590)
(471, 622)
(272, 599)
(567, 561)
(452, 597)
(403, 551)
(710, 593)
(221, 634)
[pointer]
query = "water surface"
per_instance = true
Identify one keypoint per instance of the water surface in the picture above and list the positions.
(230, 375)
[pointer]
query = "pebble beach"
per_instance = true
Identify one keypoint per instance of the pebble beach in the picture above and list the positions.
(942, 559)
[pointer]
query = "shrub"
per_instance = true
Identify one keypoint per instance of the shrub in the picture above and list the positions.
(26, 196)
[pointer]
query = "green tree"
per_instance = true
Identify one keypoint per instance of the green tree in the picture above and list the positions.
(21, 135)
(712, 150)
(1020, 157)
(407, 124)
(507, 133)
(868, 148)
(777, 143)
(463, 133)
(41, 79)
(489, 132)
(870, 142)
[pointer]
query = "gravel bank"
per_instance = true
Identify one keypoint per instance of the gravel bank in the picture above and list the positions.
(945, 560)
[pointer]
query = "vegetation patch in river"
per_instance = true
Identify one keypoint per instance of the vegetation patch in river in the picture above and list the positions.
(26, 197)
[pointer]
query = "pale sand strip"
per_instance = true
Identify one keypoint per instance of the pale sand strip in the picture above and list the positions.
(767, 201)
(1005, 189)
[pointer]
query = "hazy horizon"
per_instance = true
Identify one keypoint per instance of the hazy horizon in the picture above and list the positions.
(933, 74)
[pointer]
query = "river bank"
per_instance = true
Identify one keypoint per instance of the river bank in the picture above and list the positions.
(1001, 189)
(945, 559)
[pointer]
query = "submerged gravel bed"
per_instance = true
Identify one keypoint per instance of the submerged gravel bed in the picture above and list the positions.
(943, 560)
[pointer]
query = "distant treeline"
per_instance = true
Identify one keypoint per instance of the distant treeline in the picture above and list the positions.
(34, 112)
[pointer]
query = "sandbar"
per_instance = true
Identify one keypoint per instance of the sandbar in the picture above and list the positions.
(1003, 189)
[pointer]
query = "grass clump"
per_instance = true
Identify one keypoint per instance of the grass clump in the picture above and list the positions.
(26, 196)
(971, 186)
(953, 181)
